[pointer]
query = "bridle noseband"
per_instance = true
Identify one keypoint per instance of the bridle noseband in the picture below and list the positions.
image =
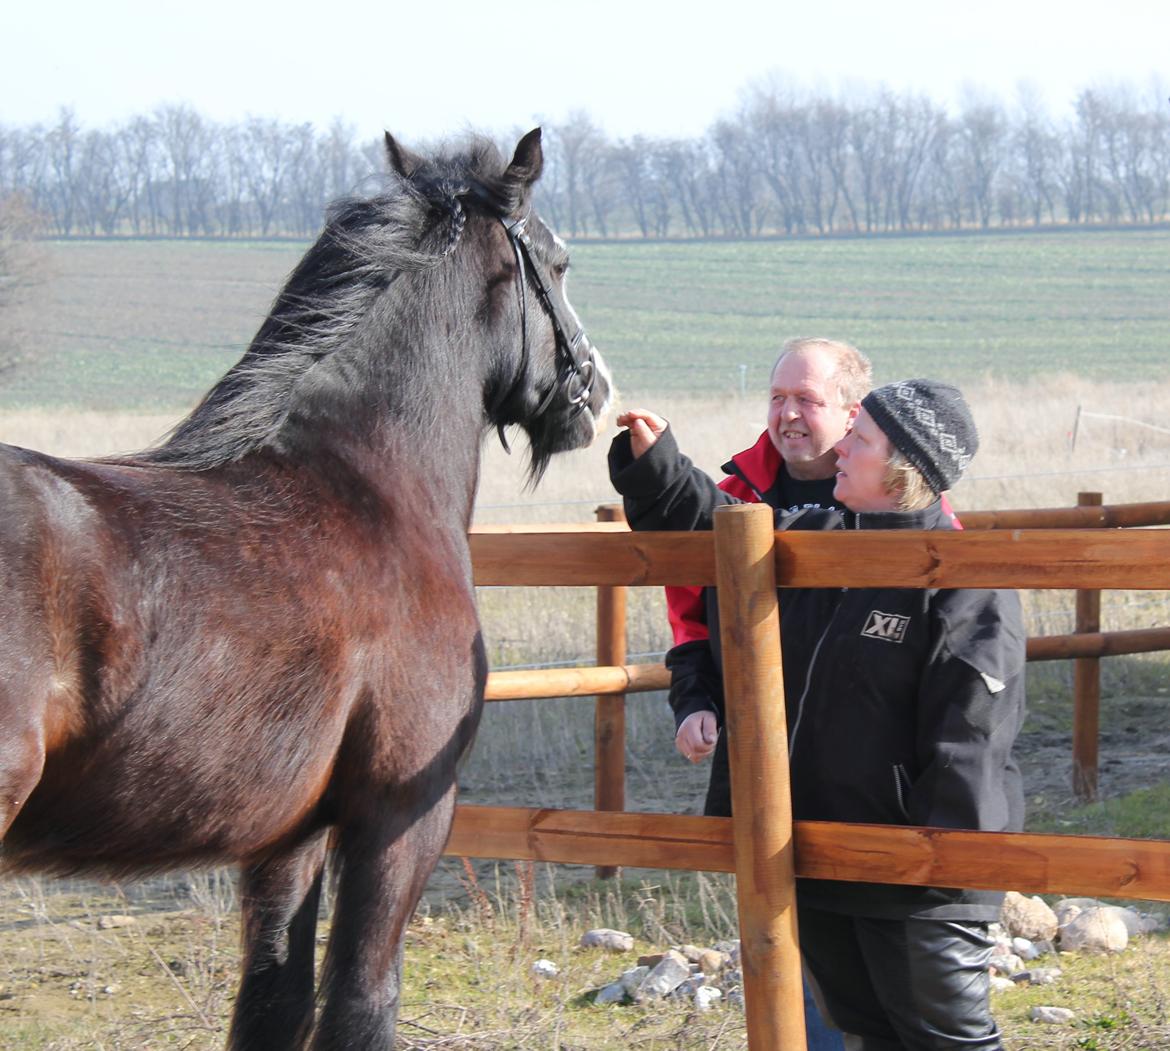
(575, 372)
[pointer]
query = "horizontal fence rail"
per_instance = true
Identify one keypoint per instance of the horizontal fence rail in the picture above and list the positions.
(1040, 558)
(1027, 862)
(1153, 513)
(1148, 513)
(534, 684)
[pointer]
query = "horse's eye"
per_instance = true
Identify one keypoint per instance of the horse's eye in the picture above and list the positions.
(560, 270)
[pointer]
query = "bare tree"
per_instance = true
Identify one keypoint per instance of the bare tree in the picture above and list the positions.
(63, 150)
(736, 179)
(982, 134)
(21, 266)
(187, 149)
(582, 151)
(1037, 154)
(633, 161)
(269, 148)
(684, 168)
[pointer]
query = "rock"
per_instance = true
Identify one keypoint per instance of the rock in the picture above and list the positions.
(1052, 1015)
(1038, 976)
(665, 978)
(1006, 965)
(109, 923)
(604, 938)
(1028, 917)
(1130, 917)
(631, 979)
(687, 988)
(614, 993)
(706, 997)
(711, 961)
(1025, 949)
(545, 969)
(1152, 921)
(1094, 930)
(651, 960)
(1074, 903)
(999, 983)
(691, 952)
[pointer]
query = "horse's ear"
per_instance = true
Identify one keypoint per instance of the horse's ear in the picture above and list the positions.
(402, 162)
(527, 161)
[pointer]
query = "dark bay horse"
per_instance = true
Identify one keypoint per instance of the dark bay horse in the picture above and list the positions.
(263, 632)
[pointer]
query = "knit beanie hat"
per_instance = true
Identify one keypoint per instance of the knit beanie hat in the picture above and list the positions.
(929, 423)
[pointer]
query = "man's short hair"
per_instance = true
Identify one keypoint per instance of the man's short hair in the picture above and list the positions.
(853, 375)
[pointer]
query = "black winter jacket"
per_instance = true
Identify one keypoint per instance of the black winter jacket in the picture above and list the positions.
(903, 704)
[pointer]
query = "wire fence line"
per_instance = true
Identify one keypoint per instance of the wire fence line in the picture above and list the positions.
(1103, 469)
(1081, 414)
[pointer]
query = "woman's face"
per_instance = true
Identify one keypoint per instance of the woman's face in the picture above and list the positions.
(861, 467)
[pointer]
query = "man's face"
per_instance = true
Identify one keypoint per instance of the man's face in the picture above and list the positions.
(805, 415)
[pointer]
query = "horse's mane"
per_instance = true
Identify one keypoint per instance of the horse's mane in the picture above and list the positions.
(409, 224)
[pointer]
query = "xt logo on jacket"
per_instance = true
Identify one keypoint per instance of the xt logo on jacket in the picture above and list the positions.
(889, 626)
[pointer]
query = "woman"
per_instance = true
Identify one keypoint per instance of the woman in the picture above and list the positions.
(903, 707)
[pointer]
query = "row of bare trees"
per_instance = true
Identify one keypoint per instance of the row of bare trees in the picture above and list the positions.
(786, 163)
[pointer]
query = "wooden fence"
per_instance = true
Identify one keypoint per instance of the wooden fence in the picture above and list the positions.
(760, 844)
(612, 679)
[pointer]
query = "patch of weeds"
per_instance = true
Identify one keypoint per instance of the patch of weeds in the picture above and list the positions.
(1141, 814)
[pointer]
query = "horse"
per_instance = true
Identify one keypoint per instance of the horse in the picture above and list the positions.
(259, 637)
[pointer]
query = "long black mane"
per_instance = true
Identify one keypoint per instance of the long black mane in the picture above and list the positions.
(409, 224)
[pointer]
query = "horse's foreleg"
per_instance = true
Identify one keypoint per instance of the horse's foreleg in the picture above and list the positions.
(279, 898)
(384, 866)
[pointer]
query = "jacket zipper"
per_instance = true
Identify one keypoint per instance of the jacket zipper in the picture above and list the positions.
(901, 789)
(808, 681)
(811, 665)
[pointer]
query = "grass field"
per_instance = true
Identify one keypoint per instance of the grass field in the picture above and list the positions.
(150, 324)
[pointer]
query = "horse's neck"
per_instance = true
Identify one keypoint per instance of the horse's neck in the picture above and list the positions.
(433, 472)
(417, 443)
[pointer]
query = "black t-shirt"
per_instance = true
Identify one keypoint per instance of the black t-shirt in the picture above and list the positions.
(795, 494)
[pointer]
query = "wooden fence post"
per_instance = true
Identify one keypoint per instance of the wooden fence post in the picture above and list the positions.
(761, 798)
(609, 713)
(1086, 688)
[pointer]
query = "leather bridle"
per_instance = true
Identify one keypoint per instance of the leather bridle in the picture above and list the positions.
(576, 371)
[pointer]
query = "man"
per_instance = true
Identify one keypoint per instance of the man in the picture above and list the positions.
(814, 395)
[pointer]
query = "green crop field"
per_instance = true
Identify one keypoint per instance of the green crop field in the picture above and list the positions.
(152, 324)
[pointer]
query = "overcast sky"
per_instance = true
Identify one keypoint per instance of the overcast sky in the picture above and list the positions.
(434, 68)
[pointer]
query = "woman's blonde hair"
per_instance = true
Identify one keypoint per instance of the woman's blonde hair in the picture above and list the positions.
(905, 482)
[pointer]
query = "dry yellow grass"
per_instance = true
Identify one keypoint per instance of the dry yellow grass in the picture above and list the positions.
(1026, 459)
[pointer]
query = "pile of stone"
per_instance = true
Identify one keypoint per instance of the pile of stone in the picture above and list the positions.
(705, 976)
(1027, 938)
(1031, 932)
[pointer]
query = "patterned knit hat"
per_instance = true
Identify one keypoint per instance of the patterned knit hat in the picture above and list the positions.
(929, 423)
